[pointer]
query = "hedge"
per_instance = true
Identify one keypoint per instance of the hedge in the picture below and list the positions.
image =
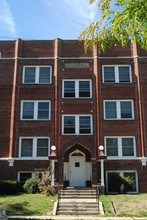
(8, 187)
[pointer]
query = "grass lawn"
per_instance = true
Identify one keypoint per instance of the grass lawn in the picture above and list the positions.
(125, 205)
(27, 204)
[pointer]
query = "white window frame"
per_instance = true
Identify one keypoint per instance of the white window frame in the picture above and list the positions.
(118, 109)
(35, 110)
(116, 73)
(32, 172)
(34, 149)
(119, 138)
(121, 173)
(37, 74)
(76, 88)
(77, 124)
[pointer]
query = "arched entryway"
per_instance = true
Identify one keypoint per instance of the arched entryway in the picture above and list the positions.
(77, 167)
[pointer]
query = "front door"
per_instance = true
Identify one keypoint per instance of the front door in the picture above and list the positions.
(77, 169)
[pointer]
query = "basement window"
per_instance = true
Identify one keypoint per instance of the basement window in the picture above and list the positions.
(121, 182)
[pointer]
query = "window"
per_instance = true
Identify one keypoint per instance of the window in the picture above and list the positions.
(77, 124)
(117, 74)
(23, 176)
(37, 74)
(35, 110)
(77, 89)
(31, 147)
(117, 182)
(120, 147)
(118, 109)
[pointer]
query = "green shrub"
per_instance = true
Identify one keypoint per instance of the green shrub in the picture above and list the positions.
(8, 187)
(44, 182)
(31, 186)
(48, 191)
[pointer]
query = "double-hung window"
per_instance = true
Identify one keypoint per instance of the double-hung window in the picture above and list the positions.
(77, 89)
(118, 109)
(37, 74)
(35, 110)
(117, 74)
(117, 181)
(77, 124)
(34, 147)
(120, 147)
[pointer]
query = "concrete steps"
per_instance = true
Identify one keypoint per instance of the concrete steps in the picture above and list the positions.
(78, 202)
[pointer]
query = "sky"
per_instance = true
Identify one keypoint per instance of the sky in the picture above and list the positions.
(45, 19)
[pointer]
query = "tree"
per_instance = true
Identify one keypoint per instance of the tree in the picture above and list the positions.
(127, 22)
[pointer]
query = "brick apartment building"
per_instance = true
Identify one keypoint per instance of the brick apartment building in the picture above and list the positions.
(53, 94)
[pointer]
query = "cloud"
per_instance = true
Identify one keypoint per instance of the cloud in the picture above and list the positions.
(81, 10)
(78, 12)
(7, 24)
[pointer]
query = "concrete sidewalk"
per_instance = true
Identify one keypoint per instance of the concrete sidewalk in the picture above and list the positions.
(70, 217)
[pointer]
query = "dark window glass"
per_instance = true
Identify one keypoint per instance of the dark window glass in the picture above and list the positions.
(113, 183)
(112, 146)
(84, 89)
(124, 74)
(27, 147)
(109, 74)
(44, 75)
(29, 76)
(110, 110)
(43, 110)
(85, 125)
(69, 125)
(127, 147)
(130, 187)
(77, 164)
(25, 176)
(69, 89)
(42, 147)
(28, 110)
(126, 109)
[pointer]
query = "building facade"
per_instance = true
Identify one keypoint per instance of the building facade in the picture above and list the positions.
(92, 108)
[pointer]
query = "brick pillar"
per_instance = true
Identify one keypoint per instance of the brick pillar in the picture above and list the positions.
(94, 171)
(61, 171)
(136, 54)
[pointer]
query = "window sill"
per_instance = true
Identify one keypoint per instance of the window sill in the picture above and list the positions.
(31, 158)
(122, 158)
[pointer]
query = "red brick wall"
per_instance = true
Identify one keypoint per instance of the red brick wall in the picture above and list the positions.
(62, 51)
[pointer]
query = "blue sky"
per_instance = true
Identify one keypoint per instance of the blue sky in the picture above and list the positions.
(45, 19)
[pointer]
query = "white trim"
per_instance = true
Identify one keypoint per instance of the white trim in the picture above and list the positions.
(74, 58)
(76, 88)
(118, 109)
(37, 73)
(77, 123)
(116, 73)
(19, 172)
(121, 173)
(120, 156)
(144, 161)
(34, 149)
(35, 116)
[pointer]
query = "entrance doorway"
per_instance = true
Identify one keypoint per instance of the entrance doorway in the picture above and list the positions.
(77, 165)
